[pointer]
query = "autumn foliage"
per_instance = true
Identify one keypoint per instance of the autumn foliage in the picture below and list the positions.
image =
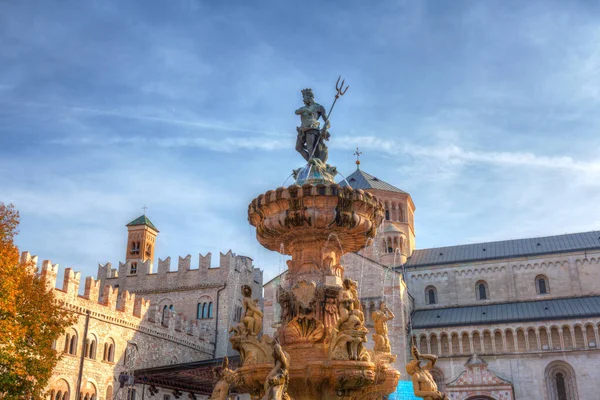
(30, 320)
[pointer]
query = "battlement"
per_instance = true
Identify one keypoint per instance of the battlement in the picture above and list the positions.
(227, 262)
(118, 306)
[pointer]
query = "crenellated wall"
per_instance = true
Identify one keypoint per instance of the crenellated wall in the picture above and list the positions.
(187, 290)
(120, 319)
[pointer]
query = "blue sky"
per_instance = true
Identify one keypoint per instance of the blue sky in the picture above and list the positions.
(486, 112)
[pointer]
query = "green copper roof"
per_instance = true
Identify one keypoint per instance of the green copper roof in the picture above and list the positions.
(142, 220)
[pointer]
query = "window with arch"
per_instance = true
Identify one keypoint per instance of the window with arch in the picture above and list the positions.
(90, 347)
(431, 295)
(59, 390)
(71, 342)
(135, 248)
(148, 250)
(560, 381)
(109, 351)
(165, 313)
(204, 310)
(541, 284)
(133, 268)
(481, 290)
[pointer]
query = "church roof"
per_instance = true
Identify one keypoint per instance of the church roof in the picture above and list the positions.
(505, 249)
(573, 307)
(142, 220)
(361, 180)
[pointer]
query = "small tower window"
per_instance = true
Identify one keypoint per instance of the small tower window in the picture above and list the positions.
(135, 247)
(481, 289)
(541, 284)
(133, 269)
(148, 250)
(430, 295)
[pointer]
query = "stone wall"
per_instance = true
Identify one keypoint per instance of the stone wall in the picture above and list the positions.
(524, 363)
(568, 274)
(112, 326)
(186, 289)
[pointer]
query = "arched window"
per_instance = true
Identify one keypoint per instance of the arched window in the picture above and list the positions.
(430, 295)
(203, 310)
(67, 342)
(481, 290)
(71, 342)
(541, 284)
(560, 381)
(90, 347)
(210, 310)
(109, 350)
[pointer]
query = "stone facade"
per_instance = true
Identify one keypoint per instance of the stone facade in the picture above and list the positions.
(132, 318)
(95, 348)
(529, 360)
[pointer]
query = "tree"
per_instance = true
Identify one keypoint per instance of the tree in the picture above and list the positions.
(31, 319)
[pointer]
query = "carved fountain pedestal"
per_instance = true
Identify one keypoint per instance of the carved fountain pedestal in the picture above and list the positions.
(322, 327)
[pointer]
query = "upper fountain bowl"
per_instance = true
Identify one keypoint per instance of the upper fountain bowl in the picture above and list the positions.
(288, 218)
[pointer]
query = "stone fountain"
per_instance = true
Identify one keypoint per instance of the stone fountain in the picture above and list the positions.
(320, 351)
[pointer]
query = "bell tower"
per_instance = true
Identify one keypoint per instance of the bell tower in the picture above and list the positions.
(396, 241)
(141, 239)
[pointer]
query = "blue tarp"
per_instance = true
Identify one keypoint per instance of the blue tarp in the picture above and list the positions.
(404, 391)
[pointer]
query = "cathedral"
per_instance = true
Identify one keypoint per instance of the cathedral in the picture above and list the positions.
(513, 319)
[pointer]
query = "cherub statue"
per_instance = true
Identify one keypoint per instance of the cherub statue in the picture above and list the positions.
(349, 333)
(423, 383)
(380, 319)
(277, 381)
(252, 313)
(224, 377)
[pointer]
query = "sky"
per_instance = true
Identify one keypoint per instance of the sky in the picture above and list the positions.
(485, 112)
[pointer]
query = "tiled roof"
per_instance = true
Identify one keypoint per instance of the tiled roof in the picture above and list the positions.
(505, 249)
(142, 220)
(361, 180)
(577, 307)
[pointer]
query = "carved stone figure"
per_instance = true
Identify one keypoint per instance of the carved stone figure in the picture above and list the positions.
(423, 383)
(277, 381)
(349, 332)
(309, 142)
(252, 322)
(380, 319)
(244, 338)
(224, 377)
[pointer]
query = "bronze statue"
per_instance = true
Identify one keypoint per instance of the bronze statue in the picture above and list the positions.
(380, 319)
(309, 142)
(277, 381)
(423, 383)
(224, 377)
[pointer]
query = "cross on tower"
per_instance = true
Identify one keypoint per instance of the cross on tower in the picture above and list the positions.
(357, 154)
(144, 208)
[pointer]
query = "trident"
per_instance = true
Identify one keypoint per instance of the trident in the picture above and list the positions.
(340, 91)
